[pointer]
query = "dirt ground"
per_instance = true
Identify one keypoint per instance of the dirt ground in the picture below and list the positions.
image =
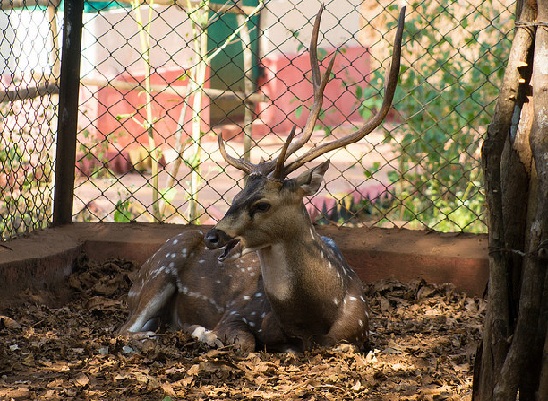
(424, 339)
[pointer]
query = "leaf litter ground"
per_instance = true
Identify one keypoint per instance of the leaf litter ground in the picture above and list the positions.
(424, 340)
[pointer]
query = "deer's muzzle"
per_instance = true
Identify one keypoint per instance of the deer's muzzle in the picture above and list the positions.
(216, 239)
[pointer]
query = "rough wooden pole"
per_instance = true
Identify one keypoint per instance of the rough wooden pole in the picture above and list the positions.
(515, 162)
(65, 154)
(497, 322)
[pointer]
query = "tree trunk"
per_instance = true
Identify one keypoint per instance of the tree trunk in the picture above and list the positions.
(510, 360)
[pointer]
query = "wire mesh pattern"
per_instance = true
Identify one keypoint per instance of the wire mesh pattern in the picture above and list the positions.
(28, 110)
(160, 81)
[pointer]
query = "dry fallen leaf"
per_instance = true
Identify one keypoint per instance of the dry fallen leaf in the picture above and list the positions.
(82, 380)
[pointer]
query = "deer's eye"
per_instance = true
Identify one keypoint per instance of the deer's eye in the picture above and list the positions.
(260, 207)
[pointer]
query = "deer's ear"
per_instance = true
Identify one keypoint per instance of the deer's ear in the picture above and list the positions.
(311, 180)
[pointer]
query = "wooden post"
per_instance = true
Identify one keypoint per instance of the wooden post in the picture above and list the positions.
(510, 360)
(65, 156)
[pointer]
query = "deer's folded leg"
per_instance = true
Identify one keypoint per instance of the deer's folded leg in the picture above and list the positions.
(236, 332)
(149, 306)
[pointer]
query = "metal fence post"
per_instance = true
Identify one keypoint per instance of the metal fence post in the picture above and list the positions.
(65, 156)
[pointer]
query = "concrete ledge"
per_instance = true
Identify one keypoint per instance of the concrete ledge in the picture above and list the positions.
(43, 259)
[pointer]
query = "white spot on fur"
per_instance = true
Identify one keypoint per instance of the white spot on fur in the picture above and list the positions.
(352, 298)
(247, 297)
(156, 272)
(171, 269)
(175, 241)
(180, 285)
(335, 301)
(184, 252)
(360, 322)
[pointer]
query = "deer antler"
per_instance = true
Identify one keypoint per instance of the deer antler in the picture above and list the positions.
(247, 167)
(390, 85)
(318, 84)
(240, 164)
(277, 173)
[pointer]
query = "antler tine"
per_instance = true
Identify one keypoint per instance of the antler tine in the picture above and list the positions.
(390, 85)
(282, 157)
(240, 164)
(318, 85)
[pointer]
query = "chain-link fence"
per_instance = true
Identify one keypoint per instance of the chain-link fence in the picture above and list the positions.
(29, 73)
(160, 82)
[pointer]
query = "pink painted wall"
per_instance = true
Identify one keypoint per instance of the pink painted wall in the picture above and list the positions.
(113, 103)
(285, 82)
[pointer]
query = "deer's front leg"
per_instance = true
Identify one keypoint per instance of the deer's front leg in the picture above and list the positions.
(352, 324)
(236, 332)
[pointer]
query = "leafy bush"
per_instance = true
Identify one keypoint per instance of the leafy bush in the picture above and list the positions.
(451, 66)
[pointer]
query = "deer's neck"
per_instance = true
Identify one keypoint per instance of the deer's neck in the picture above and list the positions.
(301, 264)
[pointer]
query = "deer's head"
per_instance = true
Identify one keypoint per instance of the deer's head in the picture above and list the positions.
(268, 208)
(270, 204)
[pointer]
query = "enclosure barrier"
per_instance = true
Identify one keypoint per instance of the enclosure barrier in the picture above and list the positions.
(160, 80)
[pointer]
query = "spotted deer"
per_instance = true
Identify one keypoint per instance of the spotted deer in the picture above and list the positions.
(262, 277)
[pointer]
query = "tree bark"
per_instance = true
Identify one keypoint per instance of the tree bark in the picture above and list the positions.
(515, 163)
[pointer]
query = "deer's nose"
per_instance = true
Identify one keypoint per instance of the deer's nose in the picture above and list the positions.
(216, 238)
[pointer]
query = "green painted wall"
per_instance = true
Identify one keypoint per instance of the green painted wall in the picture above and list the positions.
(227, 67)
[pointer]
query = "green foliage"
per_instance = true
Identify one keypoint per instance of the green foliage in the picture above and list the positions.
(20, 209)
(20, 213)
(95, 151)
(122, 212)
(445, 98)
(11, 156)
